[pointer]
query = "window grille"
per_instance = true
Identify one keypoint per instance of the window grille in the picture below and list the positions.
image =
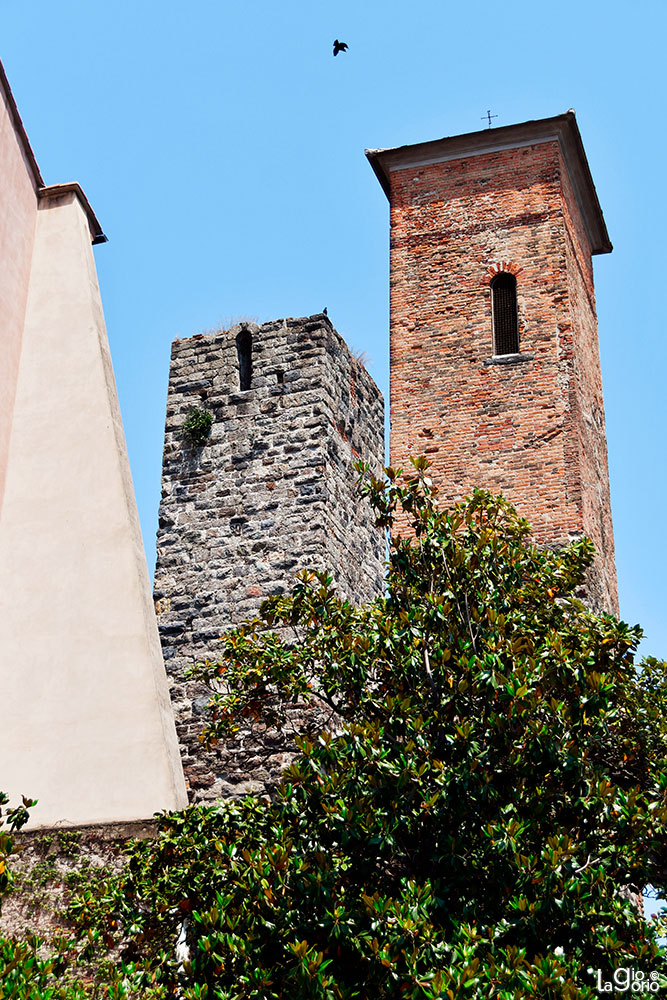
(244, 352)
(505, 317)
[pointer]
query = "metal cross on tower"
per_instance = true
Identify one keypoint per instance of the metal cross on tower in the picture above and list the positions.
(489, 116)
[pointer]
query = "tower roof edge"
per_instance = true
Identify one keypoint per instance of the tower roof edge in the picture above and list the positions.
(562, 128)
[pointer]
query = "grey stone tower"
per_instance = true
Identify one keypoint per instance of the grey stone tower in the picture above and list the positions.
(271, 491)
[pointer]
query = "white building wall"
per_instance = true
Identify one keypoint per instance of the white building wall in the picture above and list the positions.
(18, 213)
(87, 727)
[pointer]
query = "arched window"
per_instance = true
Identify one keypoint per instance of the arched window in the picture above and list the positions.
(505, 317)
(244, 351)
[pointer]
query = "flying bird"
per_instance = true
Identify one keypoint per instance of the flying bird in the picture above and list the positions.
(339, 47)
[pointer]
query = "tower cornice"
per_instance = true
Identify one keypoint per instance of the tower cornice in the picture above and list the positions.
(561, 128)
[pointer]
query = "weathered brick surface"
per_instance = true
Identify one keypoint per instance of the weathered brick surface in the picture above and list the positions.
(587, 408)
(271, 492)
(533, 426)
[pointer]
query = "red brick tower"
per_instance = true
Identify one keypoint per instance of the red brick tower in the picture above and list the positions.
(495, 369)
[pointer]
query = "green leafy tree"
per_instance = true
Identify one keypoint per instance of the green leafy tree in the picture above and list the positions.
(14, 819)
(473, 817)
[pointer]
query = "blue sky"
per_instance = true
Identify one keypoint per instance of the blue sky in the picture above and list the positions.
(221, 146)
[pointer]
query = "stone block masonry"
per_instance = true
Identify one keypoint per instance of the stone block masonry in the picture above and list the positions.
(271, 492)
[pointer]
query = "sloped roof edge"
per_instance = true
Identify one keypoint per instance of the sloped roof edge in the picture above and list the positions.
(20, 130)
(53, 190)
(57, 190)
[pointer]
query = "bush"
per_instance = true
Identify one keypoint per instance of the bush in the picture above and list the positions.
(488, 798)
(197, 427)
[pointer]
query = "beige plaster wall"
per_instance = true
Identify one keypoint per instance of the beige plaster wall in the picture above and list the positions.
(18, 212)
(86, 721)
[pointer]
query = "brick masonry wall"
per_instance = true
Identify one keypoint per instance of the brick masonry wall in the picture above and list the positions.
(517, 427)
(587, 407)
(271, 492)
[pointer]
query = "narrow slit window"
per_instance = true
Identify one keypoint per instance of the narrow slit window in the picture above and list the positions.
(505, 316)
(244, 352)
